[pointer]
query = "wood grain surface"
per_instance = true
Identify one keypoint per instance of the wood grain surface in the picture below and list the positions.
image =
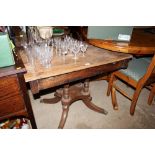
(142, 42)
(93, 57)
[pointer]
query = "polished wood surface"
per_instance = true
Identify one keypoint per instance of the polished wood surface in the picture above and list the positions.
(10, 98)
(94, 57)
(14, 99)
(142, 42)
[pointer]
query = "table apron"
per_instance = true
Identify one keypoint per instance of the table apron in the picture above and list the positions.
(53, 81)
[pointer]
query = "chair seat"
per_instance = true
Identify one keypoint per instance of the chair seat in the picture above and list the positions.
(147, 59)
(137, 68)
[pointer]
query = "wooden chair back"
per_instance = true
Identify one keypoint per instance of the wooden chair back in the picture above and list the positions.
(147, 79)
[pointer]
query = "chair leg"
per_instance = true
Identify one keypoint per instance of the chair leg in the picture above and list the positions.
(134, 100)
(114, 100)
(151, 95)
(113, 91)
(110, 83)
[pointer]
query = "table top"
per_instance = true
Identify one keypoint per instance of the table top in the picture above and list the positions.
(142, 42)
(94, 56)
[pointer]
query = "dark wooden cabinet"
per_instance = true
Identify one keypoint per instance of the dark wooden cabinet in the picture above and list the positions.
(14, 99)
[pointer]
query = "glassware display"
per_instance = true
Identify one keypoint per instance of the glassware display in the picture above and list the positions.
(42, 51)
(69, 45)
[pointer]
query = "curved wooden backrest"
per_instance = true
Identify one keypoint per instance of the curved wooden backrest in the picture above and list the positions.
(149, 76)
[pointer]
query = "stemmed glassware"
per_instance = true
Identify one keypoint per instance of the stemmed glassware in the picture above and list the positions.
(75, 50)
(41, 51)
(68, 45)
(83, 48)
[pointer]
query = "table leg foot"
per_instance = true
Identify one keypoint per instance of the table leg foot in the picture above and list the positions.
(93, 107)
(64, 115)
(51, 100)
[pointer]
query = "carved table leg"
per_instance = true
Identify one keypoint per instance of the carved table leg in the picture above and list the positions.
(68, 95)
(87, 99)
(53, 100)
(93, 107)
(64, 115)
(65, 106)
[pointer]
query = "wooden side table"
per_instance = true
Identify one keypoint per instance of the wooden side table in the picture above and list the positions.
(14, 99)
(70, 73)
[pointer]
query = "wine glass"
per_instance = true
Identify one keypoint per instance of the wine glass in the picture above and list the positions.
(75, 50)
(83, 48)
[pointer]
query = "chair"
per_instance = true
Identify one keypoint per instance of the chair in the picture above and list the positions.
(139, 74)
(152, 94)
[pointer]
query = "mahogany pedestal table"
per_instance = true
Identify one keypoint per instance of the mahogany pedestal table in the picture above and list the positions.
(63, 72)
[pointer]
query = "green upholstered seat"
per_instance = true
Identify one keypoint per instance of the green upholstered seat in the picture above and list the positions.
(137, 68)
(148, 59)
